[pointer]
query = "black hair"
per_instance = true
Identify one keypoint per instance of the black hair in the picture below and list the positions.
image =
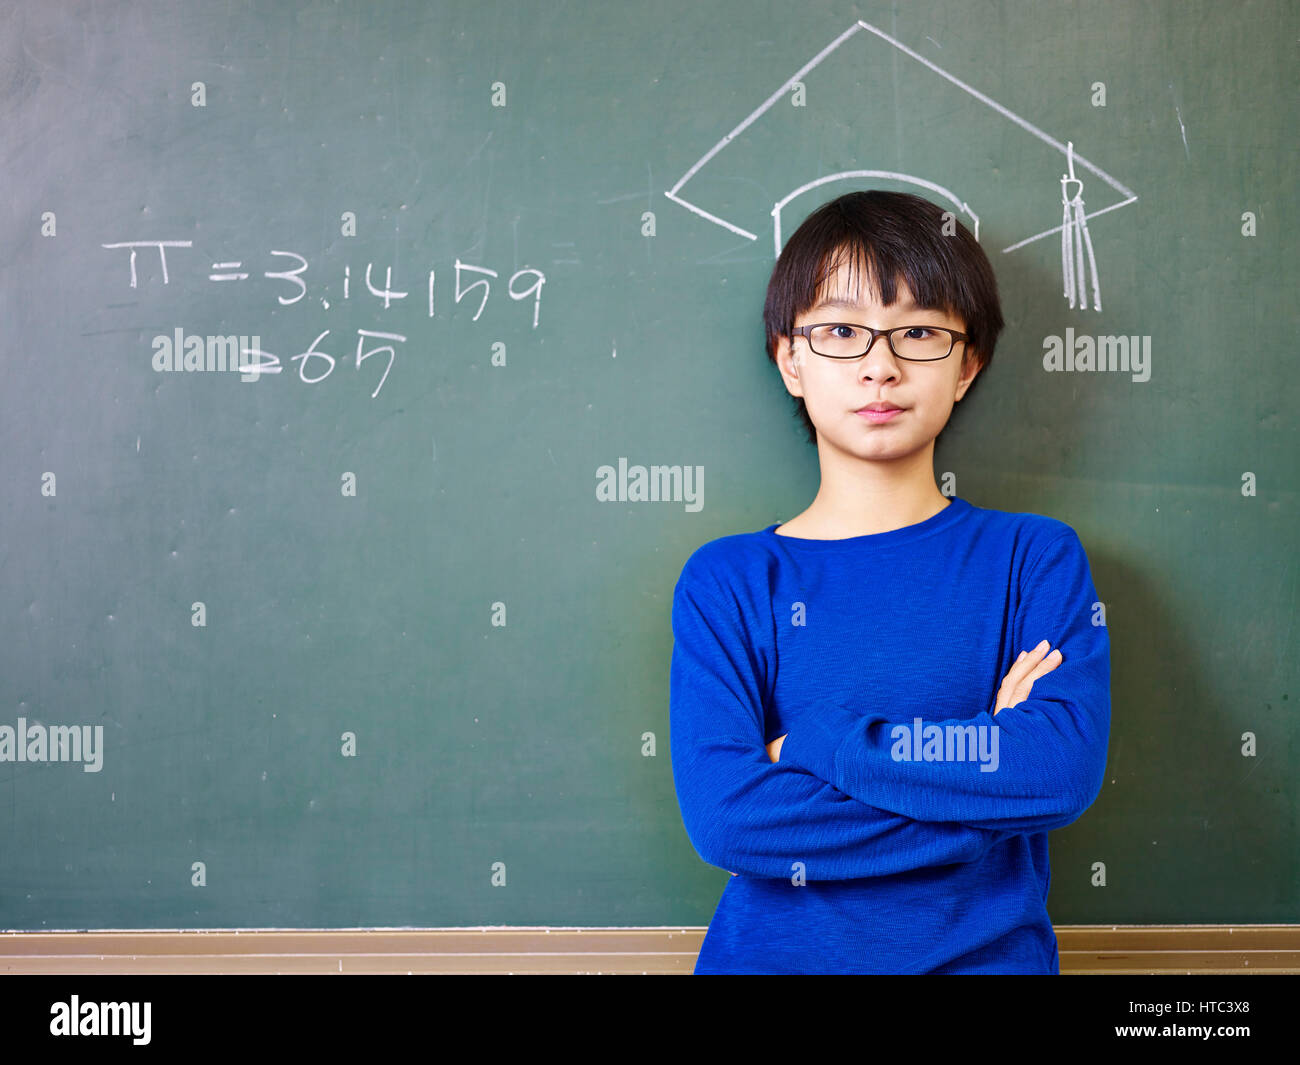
(890, 237)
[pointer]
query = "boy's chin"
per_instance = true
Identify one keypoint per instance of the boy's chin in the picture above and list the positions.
(870, 450)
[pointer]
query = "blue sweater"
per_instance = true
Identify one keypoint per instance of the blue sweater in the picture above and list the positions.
(879, 843)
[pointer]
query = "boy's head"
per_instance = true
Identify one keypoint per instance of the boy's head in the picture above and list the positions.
(900, 260)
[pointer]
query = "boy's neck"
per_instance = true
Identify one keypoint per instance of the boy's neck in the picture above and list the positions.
(864, 498)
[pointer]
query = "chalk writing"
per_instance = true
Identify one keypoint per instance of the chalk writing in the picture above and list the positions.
(524, 284)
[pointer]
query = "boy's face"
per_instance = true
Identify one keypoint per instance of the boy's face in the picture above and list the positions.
(834, 390)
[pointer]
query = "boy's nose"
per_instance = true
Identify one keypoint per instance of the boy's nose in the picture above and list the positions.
(879, 363)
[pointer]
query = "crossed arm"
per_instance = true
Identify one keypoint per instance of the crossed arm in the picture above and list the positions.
(830, 796)
(1015, 689)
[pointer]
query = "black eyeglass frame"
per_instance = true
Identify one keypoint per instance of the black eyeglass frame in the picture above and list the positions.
(805, 331)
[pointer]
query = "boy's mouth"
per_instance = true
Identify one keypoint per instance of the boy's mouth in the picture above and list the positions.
(879, 412)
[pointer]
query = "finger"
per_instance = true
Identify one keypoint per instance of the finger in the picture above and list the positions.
(1008, 686)
(1038, 651)
(1028, 660)
(1034, 654)
(1025, 688)
(1013, 674)
(1018, 672)
(1017, 682)
(1054, 659)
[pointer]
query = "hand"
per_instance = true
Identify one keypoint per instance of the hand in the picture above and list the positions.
(1026, 669)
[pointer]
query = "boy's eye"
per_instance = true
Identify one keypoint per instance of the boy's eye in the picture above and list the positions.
(844, 332)
(918, 332)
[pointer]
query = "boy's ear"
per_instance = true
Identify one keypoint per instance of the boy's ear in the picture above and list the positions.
(785, 362)
(969, 371)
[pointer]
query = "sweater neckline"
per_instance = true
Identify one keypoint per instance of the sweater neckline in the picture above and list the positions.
(956, 509)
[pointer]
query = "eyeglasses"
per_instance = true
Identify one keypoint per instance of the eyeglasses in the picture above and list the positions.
(915, 343)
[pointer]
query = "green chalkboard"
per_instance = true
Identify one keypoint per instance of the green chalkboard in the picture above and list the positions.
(378, 635)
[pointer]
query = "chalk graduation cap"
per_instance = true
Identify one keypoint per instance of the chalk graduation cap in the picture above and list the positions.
(867, 110)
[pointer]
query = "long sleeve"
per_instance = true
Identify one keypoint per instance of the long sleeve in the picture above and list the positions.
(744, 813)
(1050, 749)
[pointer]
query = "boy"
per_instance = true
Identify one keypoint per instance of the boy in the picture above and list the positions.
(835, 680)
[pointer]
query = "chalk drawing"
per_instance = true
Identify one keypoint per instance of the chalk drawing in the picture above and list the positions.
(1075, 239)
(1073, 227)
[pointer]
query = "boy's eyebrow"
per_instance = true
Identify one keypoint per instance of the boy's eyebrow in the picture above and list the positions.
(849, 305)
